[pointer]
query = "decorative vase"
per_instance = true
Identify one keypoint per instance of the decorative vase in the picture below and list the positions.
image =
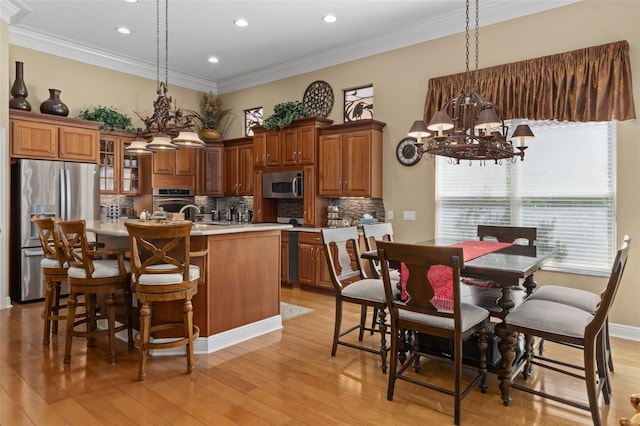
(209, 135)
(54, 105)
(19, 91)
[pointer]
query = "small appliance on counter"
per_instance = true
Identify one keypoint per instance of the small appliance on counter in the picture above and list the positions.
(333, 218)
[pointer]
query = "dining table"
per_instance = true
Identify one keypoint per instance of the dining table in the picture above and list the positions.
(504, 274)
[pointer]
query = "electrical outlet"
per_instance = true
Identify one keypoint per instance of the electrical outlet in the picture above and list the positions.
(390, 215)
(409, 215)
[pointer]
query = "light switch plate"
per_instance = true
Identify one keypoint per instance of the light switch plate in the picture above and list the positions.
(409, 215)
(390, 215)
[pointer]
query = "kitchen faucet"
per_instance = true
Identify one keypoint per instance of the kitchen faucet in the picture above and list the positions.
(183, 208)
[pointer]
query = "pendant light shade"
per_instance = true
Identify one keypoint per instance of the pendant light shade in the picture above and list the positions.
(139, 147)
(161, 143)
(188, 140)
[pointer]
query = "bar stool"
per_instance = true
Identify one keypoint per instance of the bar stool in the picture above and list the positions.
(54, 268)
(161, 272)
(90, 274)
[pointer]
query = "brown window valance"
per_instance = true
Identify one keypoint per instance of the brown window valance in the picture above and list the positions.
(591, 84)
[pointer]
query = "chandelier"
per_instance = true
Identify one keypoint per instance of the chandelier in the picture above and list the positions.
(166, 120)
(468, 127)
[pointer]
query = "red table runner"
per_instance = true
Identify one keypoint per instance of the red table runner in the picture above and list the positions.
(473, 249)
(441, 276)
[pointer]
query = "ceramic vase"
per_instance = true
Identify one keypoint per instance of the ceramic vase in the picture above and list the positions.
(54, 105)
(19, 90)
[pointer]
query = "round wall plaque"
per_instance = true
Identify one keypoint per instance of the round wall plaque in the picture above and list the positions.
(318, 98)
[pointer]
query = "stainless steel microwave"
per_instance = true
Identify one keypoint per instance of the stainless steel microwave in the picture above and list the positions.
(282, 184)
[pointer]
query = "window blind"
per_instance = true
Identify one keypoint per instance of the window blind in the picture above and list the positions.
(565, 187)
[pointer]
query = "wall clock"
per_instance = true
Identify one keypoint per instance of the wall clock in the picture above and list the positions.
(318, 98)
(407, 153)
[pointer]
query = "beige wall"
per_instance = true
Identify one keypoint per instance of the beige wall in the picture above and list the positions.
(400, 79)
(85, 86)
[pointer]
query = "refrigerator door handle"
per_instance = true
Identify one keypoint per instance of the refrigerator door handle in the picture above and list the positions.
(33, 252)
(65, 194)
(63, 201)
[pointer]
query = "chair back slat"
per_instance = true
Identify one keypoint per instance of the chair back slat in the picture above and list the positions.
(433, 271)
(342, 253)
(76, 247)
(373, 233)
(610, 291)
(155, 244)
(49, 238)
(508, 234)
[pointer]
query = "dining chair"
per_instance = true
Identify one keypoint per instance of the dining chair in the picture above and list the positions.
(378, 232)
(430, 281)
(162, 272)
(581, 299)
(372, 233)
(54, 268)
(351, 286)
(508, 234)
(92, 273)
(568, 324)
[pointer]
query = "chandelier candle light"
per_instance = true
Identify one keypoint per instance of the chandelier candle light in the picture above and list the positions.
(166, 119)
(476, 131)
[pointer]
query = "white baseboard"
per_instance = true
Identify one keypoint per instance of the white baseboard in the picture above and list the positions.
(207, 345)
(626, 332)
(7, 303)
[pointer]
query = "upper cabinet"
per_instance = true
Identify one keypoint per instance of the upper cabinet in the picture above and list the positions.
(350, 160)
(294, 145)
(210, 171)
(238, 167)
(266, 147)
(50, 137)
(175, 169)
(121, 172)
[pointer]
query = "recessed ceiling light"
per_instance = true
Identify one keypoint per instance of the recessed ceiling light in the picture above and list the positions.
(123, 30)
(329, 19)
(213, 60)
(241, 22)
(131, 1)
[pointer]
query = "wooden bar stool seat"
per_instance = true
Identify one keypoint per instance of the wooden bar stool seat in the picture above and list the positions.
(161, 272)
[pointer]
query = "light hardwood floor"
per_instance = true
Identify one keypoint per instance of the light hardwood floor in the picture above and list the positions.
(285, 377)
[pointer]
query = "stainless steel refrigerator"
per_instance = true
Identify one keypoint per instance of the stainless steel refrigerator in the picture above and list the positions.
(45, 188)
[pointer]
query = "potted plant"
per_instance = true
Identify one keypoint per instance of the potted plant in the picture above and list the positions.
(111, 119)
(284, 114)
(213, 120)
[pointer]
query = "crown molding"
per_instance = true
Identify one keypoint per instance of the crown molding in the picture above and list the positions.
(12, 11)
(72, 50)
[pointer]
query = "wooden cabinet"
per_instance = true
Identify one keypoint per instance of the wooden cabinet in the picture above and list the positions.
(299, 146)
(350, 160)
(120, 172)
(296, 144)
(175, 169)
(266, 147)
(210, 171)
(312, 263)
(284, 258)
(238, 167)
(264, 209)
(50, 137)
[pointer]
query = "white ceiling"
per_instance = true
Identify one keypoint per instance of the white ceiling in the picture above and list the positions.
(284, 38)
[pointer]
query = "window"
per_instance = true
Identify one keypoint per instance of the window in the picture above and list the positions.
(565, 187)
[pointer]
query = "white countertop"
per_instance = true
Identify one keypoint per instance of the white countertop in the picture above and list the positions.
(116, 228)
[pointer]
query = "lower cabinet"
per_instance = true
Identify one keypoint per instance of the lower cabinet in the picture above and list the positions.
(312, 263)
(284, 258)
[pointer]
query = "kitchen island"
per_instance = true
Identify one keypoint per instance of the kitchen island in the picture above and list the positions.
(240, 298)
